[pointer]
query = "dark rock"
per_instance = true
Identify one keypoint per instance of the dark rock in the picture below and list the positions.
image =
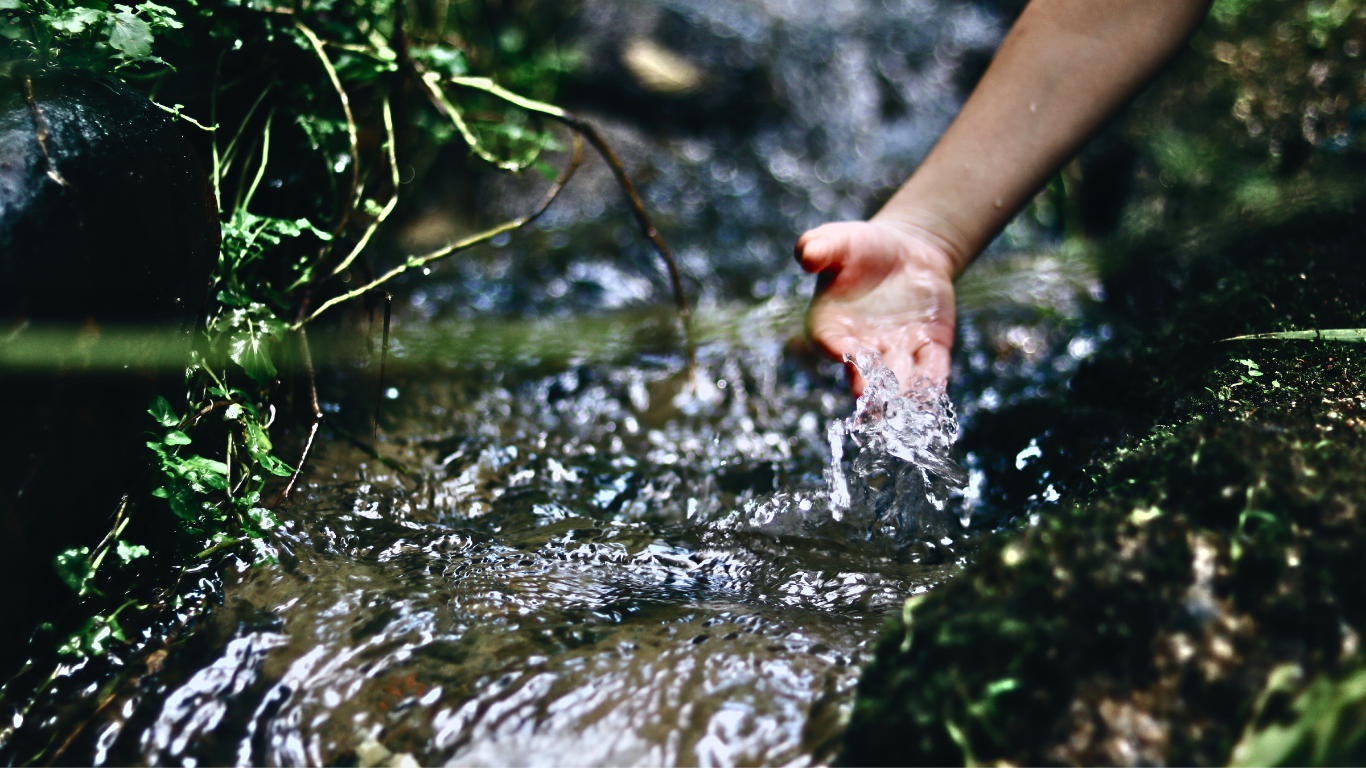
(106, 221)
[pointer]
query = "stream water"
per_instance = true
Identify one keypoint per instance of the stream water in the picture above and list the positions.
(585, 560)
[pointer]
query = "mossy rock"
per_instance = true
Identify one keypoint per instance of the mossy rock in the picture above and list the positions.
(1201, 583)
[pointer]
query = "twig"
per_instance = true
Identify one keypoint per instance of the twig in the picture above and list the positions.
(230, 153)
(431, 80)
(648, 228)
(393, 199)
(40, 131)
(383, 358)
(176, 111)
(317, 414)
(581, 126)
(213, 141)
(265, 157)
(350, 125)
(459, 245)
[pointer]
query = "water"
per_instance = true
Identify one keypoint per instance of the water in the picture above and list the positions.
(581, 576)
(903, 474)
(569, 555)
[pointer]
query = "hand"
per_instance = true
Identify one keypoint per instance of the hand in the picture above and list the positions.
(884, 287)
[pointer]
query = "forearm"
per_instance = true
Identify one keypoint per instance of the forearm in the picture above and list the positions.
(1065, 67)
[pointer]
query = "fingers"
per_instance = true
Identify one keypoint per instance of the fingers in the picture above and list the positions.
(934, 361)
(823, 248)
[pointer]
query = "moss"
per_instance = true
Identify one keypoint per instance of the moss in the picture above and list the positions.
(1217, 539)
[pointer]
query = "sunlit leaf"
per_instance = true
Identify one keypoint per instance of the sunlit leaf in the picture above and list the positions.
(161, 411)
(74, 21)
(176, 437)
(252, 352)
(130, 552)
(128, 34)
(73, 567)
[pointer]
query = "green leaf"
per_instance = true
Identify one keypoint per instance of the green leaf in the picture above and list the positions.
(264, 518)
(232, 299)
(130, 552)
(176, 437)
(74, 21)
(12, 5)
(181, 499)
(259, 446)
(161, 411)
(160, 15)
(73, 566)
(129, 35)
(252, 352)
(92, 638)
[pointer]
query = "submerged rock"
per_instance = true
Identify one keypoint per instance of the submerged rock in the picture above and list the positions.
(1199, 587)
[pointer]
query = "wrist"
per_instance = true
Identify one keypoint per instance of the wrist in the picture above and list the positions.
(926, 227)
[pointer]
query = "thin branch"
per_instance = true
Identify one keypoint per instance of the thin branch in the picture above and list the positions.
(265, 157)
(618, 170)
(460, 245)
(393, 199)
(213, 141)
(648, 228)
(317, 414)
(40, 133)
(383, 359)
(431, 81)
(350, 124)
(176, 112)
(230, 153)
(215, 549)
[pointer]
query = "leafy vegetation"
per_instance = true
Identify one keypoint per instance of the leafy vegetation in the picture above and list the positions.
(303, 112)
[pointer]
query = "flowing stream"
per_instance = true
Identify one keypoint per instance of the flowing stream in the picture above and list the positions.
(567, 553)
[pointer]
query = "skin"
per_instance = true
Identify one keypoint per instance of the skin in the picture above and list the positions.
(1066, 66)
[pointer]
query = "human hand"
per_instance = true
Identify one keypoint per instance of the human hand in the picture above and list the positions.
(883, 287)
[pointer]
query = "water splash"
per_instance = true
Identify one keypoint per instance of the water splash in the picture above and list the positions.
(901, 480)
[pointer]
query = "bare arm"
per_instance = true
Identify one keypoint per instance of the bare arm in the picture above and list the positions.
(1065, 67)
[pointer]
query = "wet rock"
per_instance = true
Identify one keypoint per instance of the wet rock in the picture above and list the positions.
(1143, 618)
(106, 222)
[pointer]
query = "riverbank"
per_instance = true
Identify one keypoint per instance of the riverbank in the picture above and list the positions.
(1194, 595)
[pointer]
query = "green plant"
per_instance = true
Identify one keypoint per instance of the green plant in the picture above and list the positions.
(275, 91)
